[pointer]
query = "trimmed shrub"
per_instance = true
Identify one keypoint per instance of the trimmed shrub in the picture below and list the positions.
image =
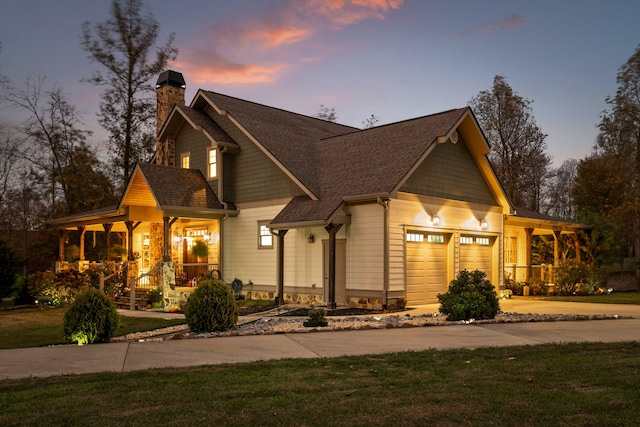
(316, 318)
(470, 296)
(92, 317)
(211, 307)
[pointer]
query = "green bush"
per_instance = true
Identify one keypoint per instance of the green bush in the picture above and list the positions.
(58, 288)
(316, 318)
(470, 296)
(92, 317)
(211, 307)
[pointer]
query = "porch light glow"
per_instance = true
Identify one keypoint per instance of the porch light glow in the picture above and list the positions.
(484, 225)
(435, 220)
(178, 239)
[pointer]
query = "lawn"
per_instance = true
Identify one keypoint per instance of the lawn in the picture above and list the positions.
(546, 385)
(612, 298)
(42, 326)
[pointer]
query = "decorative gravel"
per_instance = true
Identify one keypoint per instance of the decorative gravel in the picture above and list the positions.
(284, 325)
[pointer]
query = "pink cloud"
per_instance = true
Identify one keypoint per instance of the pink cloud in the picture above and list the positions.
(507, 24)
(243, 51)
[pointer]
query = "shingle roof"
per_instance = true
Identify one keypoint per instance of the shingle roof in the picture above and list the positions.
(289, 137)
(368, 162)
(207, 123)
(176, 187)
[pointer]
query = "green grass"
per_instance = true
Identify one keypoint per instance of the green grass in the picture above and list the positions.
(42, 326)
(546, 385)
(612, 298)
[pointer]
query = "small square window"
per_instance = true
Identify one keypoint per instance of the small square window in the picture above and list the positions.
(265, 238)
(483, 241)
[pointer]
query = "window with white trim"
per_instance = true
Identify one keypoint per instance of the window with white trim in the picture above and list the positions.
(265, 238)
(213, 163)
(415, 237)
(466, 240)
(184, 161)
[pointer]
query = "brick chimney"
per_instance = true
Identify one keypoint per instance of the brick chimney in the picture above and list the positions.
(170, 89)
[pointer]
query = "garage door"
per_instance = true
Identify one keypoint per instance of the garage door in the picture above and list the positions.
(475, 253)
(426, 266)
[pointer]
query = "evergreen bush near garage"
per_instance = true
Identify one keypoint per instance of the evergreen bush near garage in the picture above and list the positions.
(92, 317)
(211, 307)
(470, 296)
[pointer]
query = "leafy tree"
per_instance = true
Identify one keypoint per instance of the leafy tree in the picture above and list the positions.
(9, 265)
(326, 113)
(518, 146)
(617, 153)
(122, 45)
(559, 201)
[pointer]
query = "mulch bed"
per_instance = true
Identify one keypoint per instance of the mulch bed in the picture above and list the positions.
(342, 311)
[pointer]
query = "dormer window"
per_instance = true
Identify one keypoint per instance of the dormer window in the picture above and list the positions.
(184, 161)
(213, 163)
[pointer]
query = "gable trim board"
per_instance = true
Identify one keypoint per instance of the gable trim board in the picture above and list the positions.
(311, 174)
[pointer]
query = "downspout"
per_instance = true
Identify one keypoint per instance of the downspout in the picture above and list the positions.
(225, 206)
(385, 251)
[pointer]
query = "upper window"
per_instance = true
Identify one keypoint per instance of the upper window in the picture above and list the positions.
(184, 161)
(265, 238)
(213, 163)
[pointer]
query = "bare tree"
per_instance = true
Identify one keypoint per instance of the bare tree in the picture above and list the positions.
(370, 122)
(518, 146)
(62, 166)
(326, 113)
(123, 45)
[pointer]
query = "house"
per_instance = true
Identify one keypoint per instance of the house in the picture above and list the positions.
(305, 210)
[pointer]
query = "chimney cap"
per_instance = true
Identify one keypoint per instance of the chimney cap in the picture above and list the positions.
(170, 78)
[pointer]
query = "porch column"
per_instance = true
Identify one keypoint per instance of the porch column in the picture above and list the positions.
(576, 241)
(332, 229)
(82, 230)
(280, 277)
(107, 230)
(129, 225)
(63, 234)
(556, 249)
(529, 234)
(166, 257)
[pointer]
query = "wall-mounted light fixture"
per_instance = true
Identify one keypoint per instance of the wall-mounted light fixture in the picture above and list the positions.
(207, 236)
(435, 220)
(177, 239)
(311, 238)
(484, 225)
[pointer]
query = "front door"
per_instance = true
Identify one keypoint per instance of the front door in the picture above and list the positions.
(341, 270)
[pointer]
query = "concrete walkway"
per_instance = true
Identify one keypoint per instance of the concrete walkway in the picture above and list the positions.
(129, 356)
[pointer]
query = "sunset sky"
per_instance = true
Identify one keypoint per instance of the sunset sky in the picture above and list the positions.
(396, 59)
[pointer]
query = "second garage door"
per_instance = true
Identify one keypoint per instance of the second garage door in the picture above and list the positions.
(476, 253)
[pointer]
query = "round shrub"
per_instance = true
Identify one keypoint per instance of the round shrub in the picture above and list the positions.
(211, 307)
(92, 317)
(470, 296)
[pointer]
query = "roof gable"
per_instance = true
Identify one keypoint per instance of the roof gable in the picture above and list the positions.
(286, 138)
(169, 187)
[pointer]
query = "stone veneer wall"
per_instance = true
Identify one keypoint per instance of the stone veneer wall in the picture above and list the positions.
(166, 97)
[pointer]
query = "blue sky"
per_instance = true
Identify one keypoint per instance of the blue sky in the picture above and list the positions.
(397, 59)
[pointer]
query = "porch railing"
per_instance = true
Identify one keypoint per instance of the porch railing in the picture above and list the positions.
(518, 273)
(186, 273)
